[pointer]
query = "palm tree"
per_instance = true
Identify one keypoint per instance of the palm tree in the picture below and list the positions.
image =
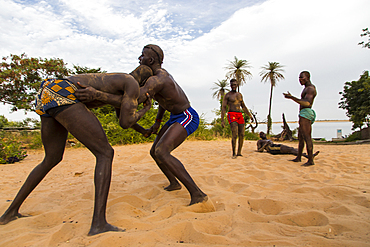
(238, 69)
(271, 72)
(220, 90)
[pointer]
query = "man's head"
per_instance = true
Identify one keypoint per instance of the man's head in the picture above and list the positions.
(263, 135)
(141, 74)
(304, 77)
(151, 54)
(233, 84)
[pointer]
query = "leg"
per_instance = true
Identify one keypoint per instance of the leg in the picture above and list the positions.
(234, 135)
(301, 143)
(305, 124)
(171, 139)
(83, 125)
(241, 130)
(290, 150)
(54, 137)
(174, 184)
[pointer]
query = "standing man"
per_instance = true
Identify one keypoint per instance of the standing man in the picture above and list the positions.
(184, 120)
(61, 112)
(307, 116)
(234, 100)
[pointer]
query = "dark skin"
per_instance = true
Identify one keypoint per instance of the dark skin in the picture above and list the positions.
(85, 127)
(305, 128)
(234, 100)
(164, 89)
(264, 142)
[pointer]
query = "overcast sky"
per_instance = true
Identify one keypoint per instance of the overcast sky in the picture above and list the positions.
(199, 38)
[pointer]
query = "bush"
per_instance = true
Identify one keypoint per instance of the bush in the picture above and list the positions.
(11, 150)
(354, 137)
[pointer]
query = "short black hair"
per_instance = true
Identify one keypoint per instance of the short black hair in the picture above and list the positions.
(232, 80)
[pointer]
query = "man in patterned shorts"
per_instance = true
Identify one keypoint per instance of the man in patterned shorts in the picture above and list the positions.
(61, 112)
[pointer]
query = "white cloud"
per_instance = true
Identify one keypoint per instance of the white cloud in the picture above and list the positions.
(319, 36)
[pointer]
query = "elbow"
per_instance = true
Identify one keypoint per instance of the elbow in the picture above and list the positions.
(125, 124)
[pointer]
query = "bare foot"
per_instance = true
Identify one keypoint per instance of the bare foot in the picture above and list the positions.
(296, 160)
(234, 157)
(239, 155)
(309, 163)
(204, 206)
(5, 219)
(315, 154)
(172, 187)
(106, 228)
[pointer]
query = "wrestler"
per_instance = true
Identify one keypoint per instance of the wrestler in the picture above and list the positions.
(61, 112)
(270, 147)
(307, 116)
(234, 100)
(184, 120)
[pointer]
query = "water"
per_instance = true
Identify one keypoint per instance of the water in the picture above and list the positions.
(327, 130)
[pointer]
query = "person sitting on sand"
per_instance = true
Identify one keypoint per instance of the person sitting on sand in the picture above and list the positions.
(61, 112)
(184, 120)
(270, 147)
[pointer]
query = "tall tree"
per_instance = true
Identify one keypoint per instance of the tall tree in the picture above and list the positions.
(356, 100)
(365, 33)
(220, 88)
(271, 72)
(20, 78)
(238, 69)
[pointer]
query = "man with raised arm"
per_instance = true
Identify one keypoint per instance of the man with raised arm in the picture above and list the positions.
(184, 120)
(61, 112)
(307, 116)
(234, 100)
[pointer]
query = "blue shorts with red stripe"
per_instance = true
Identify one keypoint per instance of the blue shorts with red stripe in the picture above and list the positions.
(189, 119)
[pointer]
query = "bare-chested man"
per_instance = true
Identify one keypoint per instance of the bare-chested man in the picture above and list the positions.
(272, 148)
(61, 113)
(234, 100)
(307, 116)
(184, 120)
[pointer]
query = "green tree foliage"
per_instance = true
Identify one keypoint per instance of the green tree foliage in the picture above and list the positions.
(356, 100)
(20, 78)
(86, 70)
(220, 89)
(365, 33)
(238, 69)
(271, 73)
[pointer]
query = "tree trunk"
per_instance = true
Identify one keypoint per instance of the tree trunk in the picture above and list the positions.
(269, 119)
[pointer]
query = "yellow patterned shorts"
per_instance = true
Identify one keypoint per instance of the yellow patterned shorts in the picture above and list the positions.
(54, 93)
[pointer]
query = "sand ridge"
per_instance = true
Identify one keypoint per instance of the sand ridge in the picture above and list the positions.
(259, 199)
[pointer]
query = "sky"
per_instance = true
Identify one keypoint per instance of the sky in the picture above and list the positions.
(199, 39)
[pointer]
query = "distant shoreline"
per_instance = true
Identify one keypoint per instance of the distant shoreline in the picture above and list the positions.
(329, 121)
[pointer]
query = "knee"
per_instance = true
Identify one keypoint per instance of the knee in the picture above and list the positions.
(52, 160)
(106, 153)
(152, 152)
(160, 153)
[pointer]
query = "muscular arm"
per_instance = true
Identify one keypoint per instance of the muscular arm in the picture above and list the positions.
(245, 109)
(128, 114)
(306, 101)
(223, 110)
(87, 94)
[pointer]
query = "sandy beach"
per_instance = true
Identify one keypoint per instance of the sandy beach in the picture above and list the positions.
(259, 199)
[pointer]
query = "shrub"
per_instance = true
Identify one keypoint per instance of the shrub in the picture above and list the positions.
(11, 150)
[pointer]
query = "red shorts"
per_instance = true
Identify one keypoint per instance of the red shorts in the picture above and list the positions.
(235, 117)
